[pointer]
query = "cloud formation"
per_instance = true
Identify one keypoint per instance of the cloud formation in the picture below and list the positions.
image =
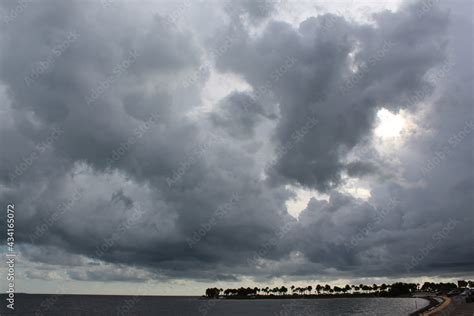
(115, 81)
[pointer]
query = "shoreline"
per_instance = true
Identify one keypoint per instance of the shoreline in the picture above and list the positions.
(433, 304)
(286, 297)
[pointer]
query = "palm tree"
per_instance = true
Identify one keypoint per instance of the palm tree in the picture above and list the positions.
(310, 288)
(327, 288)
(212, 292)
(292, 289)
(366, 288)
(347, 288)
(318, 288)
(344, 290)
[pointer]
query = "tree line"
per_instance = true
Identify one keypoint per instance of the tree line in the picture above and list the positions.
(395, 289)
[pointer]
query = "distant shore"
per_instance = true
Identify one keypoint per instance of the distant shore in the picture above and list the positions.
(291, 297)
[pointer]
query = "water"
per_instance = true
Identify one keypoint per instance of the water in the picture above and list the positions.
(78, 305)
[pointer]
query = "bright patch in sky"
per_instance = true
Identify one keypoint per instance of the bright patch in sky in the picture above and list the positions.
(298, 204)
(219, 86)
(389, 124)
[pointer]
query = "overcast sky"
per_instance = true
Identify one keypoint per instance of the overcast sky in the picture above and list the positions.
(184, 144)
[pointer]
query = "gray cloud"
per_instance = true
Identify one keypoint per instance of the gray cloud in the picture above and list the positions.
(321, 82)
(240, 114)
(329, 70)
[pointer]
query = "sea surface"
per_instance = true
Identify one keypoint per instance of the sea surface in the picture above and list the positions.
(75, 305)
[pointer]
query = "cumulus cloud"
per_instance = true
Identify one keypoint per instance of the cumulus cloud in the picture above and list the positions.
(105, 159)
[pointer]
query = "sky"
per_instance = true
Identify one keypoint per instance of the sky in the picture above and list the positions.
(155, 147)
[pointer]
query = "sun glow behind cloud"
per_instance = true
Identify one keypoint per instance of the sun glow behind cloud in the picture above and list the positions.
(389, 124)
(389, 129)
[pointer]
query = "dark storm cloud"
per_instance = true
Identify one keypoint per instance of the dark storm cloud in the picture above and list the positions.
(321, 82)
(240, 113)
(254, 10)
(101, 96)
(360, 168)
(115, 90)
(428, 226)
